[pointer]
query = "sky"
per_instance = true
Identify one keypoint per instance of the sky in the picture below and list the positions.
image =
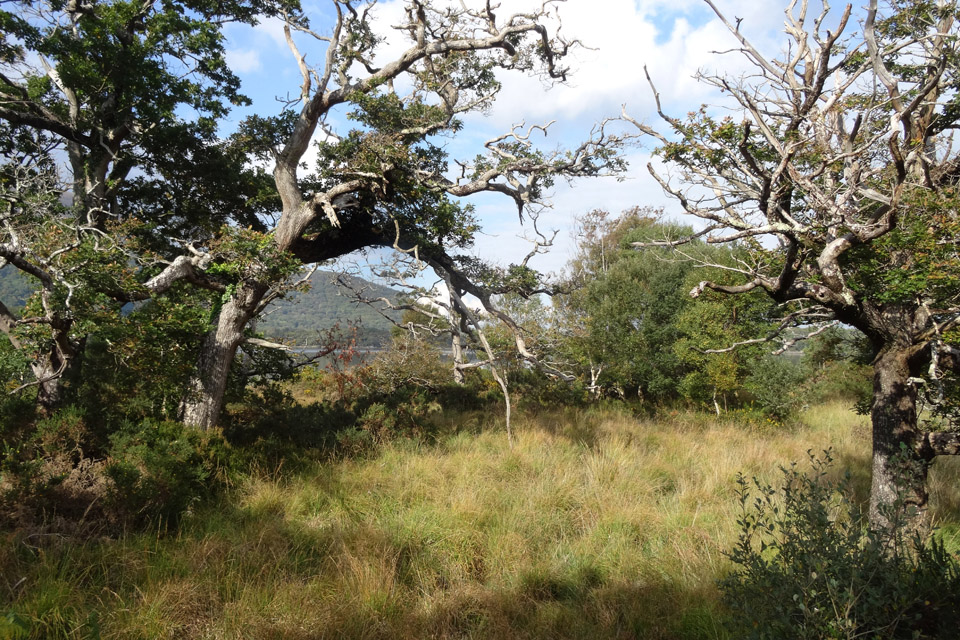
(672, 38)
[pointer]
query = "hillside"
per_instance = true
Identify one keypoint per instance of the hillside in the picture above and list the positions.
(15, 287)
(300, 317)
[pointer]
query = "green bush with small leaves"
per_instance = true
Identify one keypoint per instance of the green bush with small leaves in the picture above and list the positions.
(64, 474)
(841, 380)
(161, 470)
(774, 383)
(808, 567)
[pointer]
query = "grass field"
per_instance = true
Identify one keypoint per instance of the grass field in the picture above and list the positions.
(596, 524)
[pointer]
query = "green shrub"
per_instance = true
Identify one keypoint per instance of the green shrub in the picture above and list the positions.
(808, 567)
(774, 384)
(15, 409)
(354, 442)
(407, 361)
(404, 391)
(161, 470)
(752, 418)
(841, 380)
(408, 411)
(68, 432)
(50, 471)
(65, 476)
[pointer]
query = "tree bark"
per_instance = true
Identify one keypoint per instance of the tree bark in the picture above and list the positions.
(458, 358)
(203, 401)
(898, 493)
(52, 368)
(49, 386)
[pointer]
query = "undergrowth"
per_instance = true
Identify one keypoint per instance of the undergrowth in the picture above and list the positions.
(808, 566)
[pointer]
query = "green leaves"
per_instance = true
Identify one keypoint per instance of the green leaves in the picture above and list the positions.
(247, 254)
(807, 567)
(258, 135)
(636, 321)
(388, 114)
(916, 259)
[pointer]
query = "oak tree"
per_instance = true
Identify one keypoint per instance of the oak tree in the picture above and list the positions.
(108, 181)
(157, 196)
(388, 181)
(838, 162)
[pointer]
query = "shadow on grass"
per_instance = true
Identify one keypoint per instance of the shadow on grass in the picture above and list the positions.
(580, 425)
(561, 607)
(857, 468)
(260, 572)
(945, 491)
(367, 582)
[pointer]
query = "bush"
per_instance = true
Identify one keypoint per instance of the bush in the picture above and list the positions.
(408, 361)
(752, 418)
(407, 412)
(65, 476)
(49, 472)
(161, 470)
(404, 392)
(774, 383)
(808, 567)
(842, 380)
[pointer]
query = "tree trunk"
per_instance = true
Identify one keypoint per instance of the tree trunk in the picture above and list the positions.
(458, 358)
(898, 494)
(203, 401)
(54, 367)
(49, 386)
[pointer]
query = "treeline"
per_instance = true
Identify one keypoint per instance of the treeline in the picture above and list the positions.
(627, 327)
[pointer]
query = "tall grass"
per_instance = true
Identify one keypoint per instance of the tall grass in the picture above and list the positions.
(594, 525)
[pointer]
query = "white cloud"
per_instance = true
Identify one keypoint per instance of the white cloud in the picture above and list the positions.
(243, 60)
(270, 30)
(502, 237)
(674, 42)
(620, 40)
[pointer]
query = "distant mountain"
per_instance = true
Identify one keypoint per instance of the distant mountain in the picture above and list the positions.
(15, 287)
(300, 316)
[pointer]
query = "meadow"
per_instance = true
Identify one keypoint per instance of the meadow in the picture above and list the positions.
(595, 524)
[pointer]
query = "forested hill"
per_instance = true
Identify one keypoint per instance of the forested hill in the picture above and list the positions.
(301, 316)
(15, 287)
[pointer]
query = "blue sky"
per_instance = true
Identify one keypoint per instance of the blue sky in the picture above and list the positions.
(673, 38)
